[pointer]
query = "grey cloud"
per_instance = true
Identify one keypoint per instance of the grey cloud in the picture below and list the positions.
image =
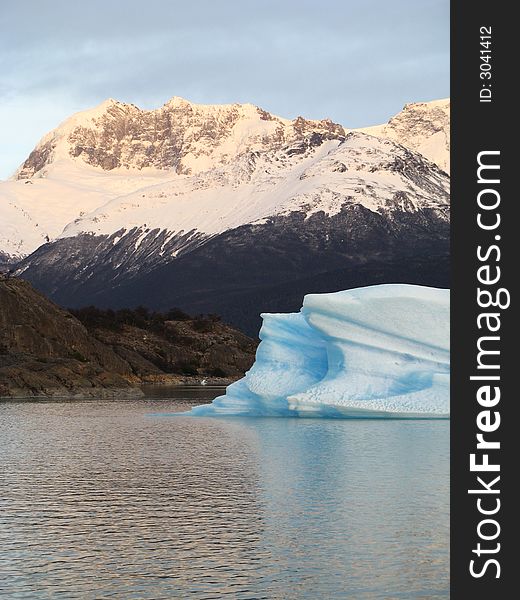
(355, 61)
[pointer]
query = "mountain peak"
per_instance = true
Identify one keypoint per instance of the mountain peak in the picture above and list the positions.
(423, 127)
(177, 101)
(108, 102)
(180, 137)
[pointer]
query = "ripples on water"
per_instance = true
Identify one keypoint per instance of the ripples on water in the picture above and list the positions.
(109, 499)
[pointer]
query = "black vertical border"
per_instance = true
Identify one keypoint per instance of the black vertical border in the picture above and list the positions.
(476, 127)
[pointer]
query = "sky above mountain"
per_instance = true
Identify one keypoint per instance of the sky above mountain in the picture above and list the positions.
(355, 61)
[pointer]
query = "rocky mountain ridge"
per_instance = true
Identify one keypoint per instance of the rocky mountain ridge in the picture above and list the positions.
(344, 202)
(217, 208)
(181, 137)
(117, 149)
(423, 127)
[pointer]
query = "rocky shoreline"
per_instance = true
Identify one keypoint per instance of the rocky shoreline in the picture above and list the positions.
(48, 352)
(100, 393)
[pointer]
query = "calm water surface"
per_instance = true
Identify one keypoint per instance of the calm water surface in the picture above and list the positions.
(109, 499)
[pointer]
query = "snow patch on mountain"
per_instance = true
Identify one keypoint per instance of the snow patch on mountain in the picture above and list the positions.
(377, 174)
(35, 211)
(206, 168)
(423, 127)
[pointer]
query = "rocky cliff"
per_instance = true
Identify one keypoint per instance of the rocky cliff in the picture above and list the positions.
(47, 351)
(181, 136)
(44, 350)
(423, 127)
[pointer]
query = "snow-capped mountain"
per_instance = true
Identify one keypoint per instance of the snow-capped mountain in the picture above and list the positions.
(36, 210)
(119, 206)
(117, 148)
(423, 127)
(180, 136)
(310, 176)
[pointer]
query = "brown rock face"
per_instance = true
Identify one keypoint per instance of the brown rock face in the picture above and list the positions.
(410, 124)
(34, 326)
(200, 347)
(180, 136)
(44, 350)
(37, 160)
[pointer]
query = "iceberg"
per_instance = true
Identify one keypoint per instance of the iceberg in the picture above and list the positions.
(374, 352)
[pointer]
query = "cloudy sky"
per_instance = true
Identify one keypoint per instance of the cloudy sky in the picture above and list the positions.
(355, 61)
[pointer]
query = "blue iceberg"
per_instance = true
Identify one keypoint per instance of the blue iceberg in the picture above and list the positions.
(374, 352)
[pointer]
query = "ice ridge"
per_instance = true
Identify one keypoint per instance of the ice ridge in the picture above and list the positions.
(374, 352)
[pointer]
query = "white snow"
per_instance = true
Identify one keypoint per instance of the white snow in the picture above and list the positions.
(237, 181)
(42, 206)
(229, 196)
(375, 352)
(423, 127)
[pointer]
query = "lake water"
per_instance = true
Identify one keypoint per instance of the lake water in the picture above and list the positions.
(107, 499)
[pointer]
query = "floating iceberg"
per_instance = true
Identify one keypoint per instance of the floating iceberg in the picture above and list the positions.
(379, 351)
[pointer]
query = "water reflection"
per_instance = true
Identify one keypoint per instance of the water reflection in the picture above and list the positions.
(101, 500)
